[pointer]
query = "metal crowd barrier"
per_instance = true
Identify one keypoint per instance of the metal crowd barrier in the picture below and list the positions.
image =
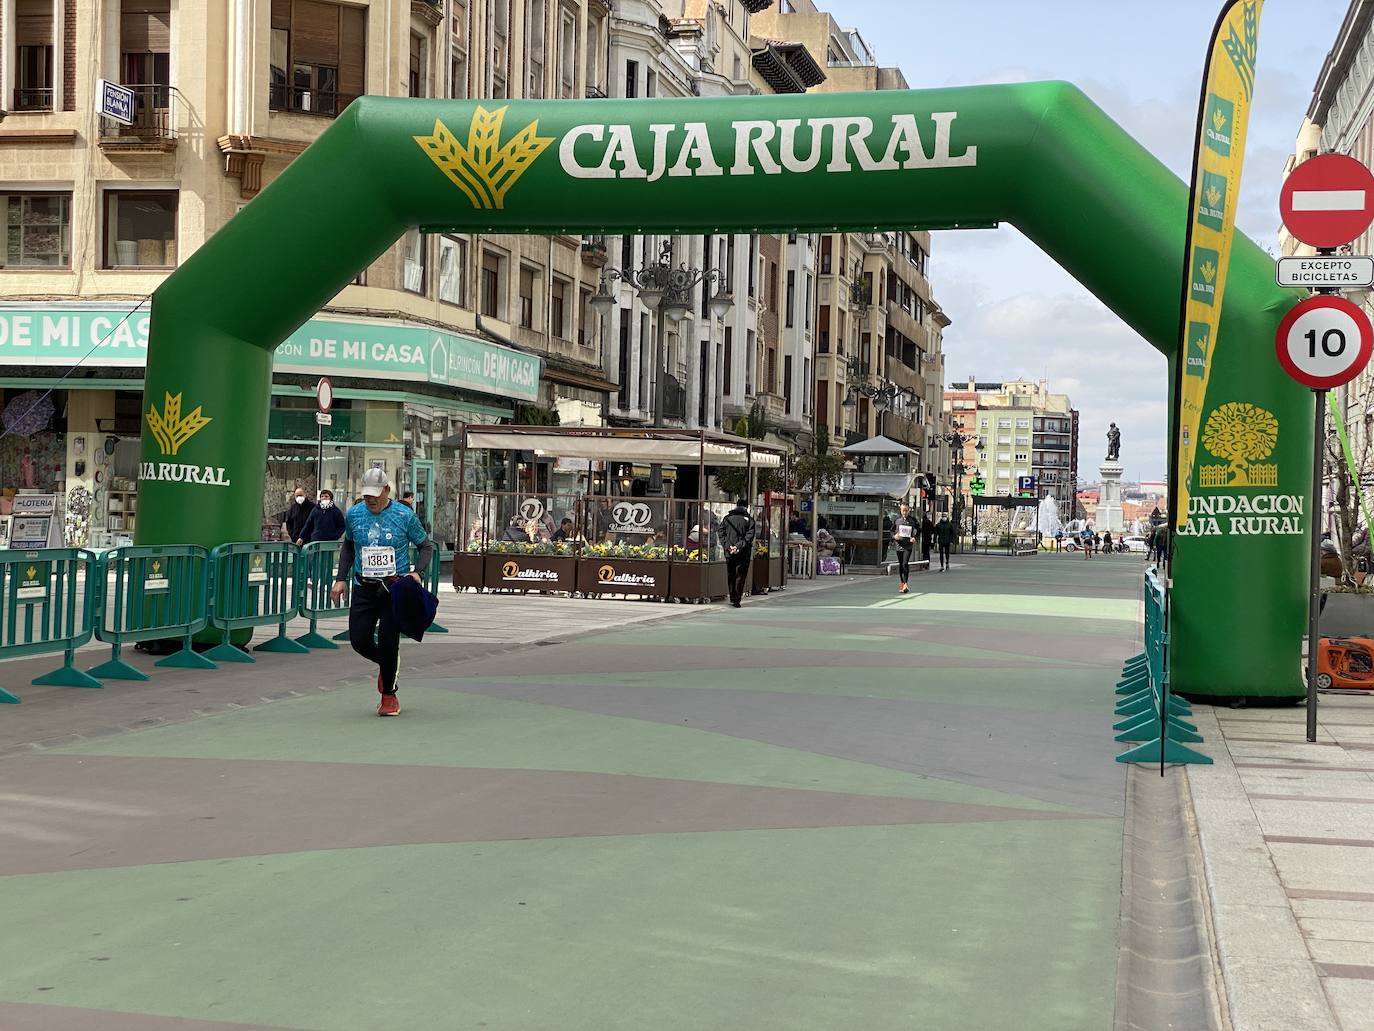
(151, 592)
(1152, 714)
(43, 609)
(253, 585)
(315, 569)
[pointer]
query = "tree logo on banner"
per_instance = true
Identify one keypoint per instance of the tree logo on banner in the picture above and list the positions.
(170, 428)
(485, 169)
(1241, 434)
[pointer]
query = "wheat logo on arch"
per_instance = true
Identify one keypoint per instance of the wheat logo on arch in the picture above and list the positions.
(170, 428)
(484, 169)
(1242, 435)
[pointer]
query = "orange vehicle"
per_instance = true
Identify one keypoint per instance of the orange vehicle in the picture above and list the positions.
(1345, 663)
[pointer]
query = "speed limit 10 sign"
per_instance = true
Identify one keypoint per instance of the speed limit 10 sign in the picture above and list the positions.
(1324, 342)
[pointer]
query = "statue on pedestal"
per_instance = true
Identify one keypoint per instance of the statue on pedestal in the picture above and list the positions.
(1113, 444)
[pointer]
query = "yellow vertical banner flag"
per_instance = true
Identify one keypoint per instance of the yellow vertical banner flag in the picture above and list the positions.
(1224, 114)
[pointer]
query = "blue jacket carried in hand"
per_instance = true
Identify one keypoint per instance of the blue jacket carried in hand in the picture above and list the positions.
(412, 607)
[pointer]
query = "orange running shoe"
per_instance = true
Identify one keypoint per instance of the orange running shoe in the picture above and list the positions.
(390, 706)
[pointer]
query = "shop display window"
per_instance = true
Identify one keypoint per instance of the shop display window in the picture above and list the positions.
(140, 228)
(37, 230)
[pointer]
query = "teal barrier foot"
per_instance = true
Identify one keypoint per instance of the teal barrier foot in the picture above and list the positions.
(8, 699)
(187, 658)
(315, 639)
(1173, 753)
(1125, 687)
(70, 676)
(1135, 722)
(1178, 733)
(1144, 732)
(342, 635)
(228, 653)
(1135, 706)
(1179, 706)
(435, 628)
(283, 645)
(117, 669)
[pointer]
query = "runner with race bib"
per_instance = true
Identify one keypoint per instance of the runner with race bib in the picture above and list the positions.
(377, 537)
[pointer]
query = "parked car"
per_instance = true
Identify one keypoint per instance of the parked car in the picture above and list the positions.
(1136, 545)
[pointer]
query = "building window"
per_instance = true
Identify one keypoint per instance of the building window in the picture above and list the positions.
(417, 65)
(528, 276)
(568, 49)
(558, 309)
(33, 55)
(500, 46)
(595, 22)
(586, 318)
(453, 271)
(772, 287)
(140, 228)
(38, 230)
(623, 363)
(827, 243)
(806, 386)
(729, 359)
(493, 306)
(318, 56)
(1022, 457)
(651, 83)
(414, 265)
(535, 28)
(145, 59)
(631, 79)
(791, 297)
(806, 312)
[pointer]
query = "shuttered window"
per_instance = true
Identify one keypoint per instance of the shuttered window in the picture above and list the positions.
(145, 27)
(318, 56)
(33, 51)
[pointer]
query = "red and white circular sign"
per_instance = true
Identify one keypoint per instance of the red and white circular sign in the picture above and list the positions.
(324, 394)
(1327, 200)
(1324, 342)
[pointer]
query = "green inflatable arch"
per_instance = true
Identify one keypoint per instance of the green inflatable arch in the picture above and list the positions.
(1041, 156)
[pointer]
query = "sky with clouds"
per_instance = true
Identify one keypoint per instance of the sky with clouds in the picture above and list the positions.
(1015, 312)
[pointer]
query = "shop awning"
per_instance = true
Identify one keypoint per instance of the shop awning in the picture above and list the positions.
(686, 449)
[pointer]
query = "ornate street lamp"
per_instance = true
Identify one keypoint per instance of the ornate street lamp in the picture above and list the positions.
(666, 290)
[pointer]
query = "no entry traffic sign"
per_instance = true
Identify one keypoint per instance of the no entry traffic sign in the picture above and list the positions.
(1328, 200)
(1324, 342)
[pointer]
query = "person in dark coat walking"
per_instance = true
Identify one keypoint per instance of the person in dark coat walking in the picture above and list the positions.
(944, 539)
(293, 519)
(904, 532)
(927, 536)
(326, 522)
(737, 532)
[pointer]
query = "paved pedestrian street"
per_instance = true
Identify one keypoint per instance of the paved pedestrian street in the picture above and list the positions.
(835, 808)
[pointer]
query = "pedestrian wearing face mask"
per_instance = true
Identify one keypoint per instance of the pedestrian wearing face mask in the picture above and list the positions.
(326, 523)
(293, 520)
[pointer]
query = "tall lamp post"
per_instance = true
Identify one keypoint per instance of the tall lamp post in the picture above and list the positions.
(957, 439)
(666, 290)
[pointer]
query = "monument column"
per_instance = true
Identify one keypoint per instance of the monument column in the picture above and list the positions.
(1109, 512)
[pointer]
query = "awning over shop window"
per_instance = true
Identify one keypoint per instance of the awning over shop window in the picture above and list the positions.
(684, 450)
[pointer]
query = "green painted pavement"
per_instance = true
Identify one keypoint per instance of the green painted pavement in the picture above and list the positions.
(889, 927)
(447, 728)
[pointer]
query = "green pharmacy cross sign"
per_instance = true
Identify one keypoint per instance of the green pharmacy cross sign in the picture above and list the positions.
(976, 487)
(1039, 155)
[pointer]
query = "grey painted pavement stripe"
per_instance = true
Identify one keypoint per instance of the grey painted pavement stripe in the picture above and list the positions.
(1296, 766)
(192, 809)
(1346, 970)
(1339, 799)
(28, 1016)
(1062, 757)
(1298, 839)
(1338, 896)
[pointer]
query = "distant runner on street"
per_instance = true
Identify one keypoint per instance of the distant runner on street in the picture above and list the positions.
(375, 553)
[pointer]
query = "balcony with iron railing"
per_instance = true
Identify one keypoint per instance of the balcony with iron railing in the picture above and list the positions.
(34, 99)
(305, 101)
(157, 112)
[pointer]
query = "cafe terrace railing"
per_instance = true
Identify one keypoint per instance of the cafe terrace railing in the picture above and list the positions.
(1151, 714)
(44, 608)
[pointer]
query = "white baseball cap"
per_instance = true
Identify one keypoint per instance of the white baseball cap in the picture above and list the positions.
(374, 482)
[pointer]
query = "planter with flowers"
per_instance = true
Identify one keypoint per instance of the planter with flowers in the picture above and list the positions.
(468, 567)
(696, 577)
(547, 567)
(634, 569)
